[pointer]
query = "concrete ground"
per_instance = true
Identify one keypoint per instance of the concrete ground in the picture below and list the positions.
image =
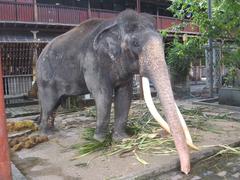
(54, 159)
(221, 168)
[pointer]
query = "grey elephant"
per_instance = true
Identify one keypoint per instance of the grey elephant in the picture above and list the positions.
(100, 57)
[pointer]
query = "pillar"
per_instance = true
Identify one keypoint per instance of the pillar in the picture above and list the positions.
(5, 165)
(35, 10)
(35, 55)
(213, 53)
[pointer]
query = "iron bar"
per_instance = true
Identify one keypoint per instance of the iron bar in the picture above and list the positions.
(210, 51)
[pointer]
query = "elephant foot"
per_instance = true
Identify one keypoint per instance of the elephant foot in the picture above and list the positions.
(48, 131)
(119, 136)
(101, 137)
(37, 120)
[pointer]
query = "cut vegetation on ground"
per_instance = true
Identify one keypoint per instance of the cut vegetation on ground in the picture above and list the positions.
(146, 135)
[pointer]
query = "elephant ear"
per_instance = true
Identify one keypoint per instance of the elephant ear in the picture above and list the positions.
(149, 19)
(108, 40)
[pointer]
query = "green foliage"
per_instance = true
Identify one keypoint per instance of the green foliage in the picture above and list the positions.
(146, 134)
(197, 9)
(224, 25)
(231, 57)
(180, 55)
(91, 144)
(163, 33)
(225, 20)
(229, 80)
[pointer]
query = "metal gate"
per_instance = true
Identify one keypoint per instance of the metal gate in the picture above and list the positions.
(17, 65)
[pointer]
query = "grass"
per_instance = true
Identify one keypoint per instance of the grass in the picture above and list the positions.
(91, 145)
(195, 118)
(146, 134)
(145, 138)
(227, 150)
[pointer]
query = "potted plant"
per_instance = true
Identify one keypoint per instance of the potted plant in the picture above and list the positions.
(180, 55)
(229, 94)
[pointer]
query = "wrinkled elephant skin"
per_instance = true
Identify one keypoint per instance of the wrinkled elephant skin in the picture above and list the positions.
(100, 57)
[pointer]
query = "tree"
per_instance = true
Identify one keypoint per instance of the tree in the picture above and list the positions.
(223, 27)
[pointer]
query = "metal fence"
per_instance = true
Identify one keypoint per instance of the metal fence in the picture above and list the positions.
(17, 65)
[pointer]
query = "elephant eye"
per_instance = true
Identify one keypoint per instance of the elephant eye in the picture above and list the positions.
(136, 43)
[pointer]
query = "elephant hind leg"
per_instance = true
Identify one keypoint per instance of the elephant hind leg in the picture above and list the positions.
(49, 103)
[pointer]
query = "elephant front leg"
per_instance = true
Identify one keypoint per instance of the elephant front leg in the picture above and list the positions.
(103, 100)
(122, 102)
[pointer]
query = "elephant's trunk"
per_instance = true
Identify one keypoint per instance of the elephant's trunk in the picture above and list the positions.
(153, 66)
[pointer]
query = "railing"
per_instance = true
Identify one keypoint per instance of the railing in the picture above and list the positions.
(12, 11)
(69, 15)
(164, 22)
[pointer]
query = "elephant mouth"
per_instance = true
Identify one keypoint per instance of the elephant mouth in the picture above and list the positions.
(153, 110)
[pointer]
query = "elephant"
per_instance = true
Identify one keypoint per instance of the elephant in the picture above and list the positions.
(101, 57)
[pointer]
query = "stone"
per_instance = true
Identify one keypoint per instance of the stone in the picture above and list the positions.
(207, 173)
(196, 178)
(235, 169)
(52, 177)
(222, 173)
(177, 177)
(237, 175)
(38, 168)
(230, 163)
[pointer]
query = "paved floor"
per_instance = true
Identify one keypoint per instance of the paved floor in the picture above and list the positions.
(52, 160)
(220, 168)
(213, 169)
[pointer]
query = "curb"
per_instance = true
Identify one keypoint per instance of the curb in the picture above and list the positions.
(209, 102)
(195, 157)
(16, 174)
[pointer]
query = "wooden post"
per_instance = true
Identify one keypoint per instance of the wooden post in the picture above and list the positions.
(157, 18)
(35, 56)
(138, 6)
(35, 10)
(5, 165)
(89, 9)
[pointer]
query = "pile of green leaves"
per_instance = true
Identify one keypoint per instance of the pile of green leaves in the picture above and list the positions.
(145, 137)
(91, 145)
(146, 134)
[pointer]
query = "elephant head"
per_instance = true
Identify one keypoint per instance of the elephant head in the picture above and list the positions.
(132, 41)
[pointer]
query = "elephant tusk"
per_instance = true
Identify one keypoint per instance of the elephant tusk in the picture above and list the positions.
(158, 117)
(149, 102)
(185, 129)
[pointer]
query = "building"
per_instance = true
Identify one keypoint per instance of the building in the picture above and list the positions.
(26, 26)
